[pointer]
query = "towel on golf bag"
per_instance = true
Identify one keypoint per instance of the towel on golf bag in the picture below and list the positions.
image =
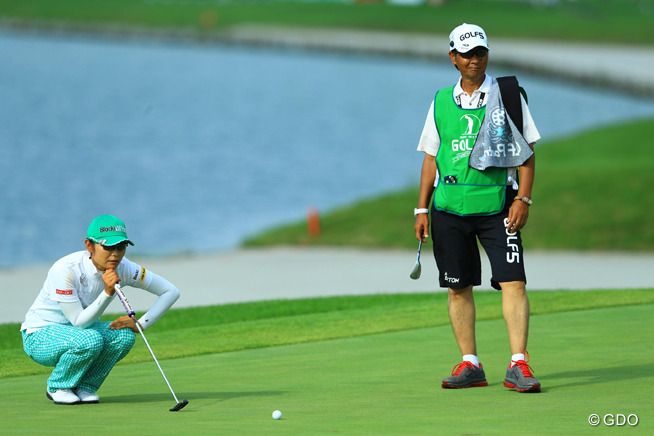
(499, 143)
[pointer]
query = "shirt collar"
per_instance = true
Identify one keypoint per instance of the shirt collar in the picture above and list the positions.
(89, 267)
(485, 87)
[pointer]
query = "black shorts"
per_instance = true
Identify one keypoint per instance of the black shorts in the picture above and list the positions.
(457, 252)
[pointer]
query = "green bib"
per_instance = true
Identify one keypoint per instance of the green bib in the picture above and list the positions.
(463, 190)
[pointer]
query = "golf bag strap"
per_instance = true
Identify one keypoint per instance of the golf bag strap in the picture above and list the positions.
(511, 90)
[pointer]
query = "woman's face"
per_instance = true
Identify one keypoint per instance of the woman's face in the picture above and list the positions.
(106, 257)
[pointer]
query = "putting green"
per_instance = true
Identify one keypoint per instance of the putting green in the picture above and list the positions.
(594, 361)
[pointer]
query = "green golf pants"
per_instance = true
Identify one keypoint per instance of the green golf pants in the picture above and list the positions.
(82, 358)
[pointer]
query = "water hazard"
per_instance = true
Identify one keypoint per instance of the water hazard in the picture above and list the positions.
(195, 147)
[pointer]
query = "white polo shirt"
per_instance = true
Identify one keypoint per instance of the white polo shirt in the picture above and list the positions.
(75, 279)
(430, 140)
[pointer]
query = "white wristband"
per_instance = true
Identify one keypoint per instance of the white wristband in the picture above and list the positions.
(417, 212)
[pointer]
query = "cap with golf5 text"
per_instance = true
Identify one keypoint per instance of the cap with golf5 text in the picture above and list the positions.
(466, 37)
(107, 230)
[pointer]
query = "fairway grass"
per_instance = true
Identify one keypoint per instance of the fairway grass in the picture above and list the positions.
(235, 327)
(589, 361)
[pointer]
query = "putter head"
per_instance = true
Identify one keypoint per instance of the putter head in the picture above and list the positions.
(415, 272)
(179, 406)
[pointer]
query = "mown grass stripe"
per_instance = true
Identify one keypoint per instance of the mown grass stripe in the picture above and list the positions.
(234, 327)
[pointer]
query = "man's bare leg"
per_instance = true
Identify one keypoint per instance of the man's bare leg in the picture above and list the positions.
(469, 373)
(515, 307)
(461, 308)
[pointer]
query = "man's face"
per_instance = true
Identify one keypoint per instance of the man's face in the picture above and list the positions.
(471, 64)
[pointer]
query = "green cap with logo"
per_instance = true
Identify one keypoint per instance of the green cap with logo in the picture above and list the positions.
(107, 230)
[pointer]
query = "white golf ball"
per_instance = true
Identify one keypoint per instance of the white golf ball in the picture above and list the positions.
(277, 414)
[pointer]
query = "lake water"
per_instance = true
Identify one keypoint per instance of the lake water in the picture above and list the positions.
(197, 146)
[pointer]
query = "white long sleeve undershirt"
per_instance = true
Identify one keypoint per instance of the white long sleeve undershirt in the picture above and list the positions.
(82, 317)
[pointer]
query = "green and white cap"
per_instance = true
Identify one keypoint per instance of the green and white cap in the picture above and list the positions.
(107, 230)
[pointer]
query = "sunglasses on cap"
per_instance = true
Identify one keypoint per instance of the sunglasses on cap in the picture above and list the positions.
(118, 247)
(480, 52)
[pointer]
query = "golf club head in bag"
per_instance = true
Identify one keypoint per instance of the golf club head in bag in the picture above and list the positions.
(417, 269)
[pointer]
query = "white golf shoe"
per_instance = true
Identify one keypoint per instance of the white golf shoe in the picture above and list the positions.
(62, 396)
(86, 397)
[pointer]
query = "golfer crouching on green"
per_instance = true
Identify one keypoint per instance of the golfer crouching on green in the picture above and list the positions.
(62, 328)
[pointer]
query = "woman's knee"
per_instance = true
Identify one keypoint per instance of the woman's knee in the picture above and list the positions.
(88, 342)
(124, 339)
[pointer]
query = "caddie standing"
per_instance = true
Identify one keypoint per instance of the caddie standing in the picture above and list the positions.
(62, 328)
(476, 182)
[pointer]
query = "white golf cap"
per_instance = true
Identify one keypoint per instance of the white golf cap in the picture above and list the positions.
(466, 37)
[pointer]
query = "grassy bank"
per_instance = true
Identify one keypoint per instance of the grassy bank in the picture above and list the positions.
(588, 195)
(593, 21)
(219, 329)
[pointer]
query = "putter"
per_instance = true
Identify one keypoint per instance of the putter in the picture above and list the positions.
(415, 272)
(132, 314)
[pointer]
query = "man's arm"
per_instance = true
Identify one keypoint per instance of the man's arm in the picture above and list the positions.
(519, 211)
(427, 178)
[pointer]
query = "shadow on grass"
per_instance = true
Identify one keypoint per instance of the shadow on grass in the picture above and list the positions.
(585, 377)
(167, 397)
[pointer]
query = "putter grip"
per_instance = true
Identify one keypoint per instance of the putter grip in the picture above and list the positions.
(123, 299)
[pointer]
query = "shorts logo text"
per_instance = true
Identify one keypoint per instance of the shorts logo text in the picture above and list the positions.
(451, 279)
(513, 253)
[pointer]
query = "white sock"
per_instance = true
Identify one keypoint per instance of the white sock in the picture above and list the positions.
(515, 358)
(471, 358)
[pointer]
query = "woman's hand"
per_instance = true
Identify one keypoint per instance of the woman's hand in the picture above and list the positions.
(110, 278)
(124, 322)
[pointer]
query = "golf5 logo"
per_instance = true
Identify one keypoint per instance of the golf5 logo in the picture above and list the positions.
(472, 35)
(513, 251)
(469, 124)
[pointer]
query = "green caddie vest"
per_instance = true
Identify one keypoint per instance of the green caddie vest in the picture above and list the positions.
(463, 190)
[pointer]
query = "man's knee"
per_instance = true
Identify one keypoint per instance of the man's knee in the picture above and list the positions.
(514, 288)
(460, 293)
